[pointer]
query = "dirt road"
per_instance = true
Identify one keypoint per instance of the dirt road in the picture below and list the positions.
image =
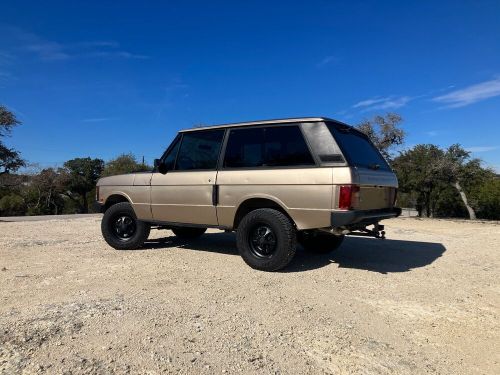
(426, 300)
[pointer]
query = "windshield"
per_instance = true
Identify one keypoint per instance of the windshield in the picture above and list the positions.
(357, 148)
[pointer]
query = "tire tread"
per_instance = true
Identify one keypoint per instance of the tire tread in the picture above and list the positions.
(287, 229)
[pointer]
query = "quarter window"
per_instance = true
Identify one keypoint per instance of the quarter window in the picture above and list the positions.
(199, 150)
(276, 146)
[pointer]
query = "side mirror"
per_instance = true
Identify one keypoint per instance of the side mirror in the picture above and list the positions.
(160, 166)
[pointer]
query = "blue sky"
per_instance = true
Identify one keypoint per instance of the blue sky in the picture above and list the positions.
(99, 78)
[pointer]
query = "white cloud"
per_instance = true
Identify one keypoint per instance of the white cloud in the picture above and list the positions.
(117, 53)
(5, 76)
(5, 58)
(432, 133)
(481, 148)
(97, 119)
(470, 94)
(49, 50)
(100, 43)
(381, 103)
(327, 60)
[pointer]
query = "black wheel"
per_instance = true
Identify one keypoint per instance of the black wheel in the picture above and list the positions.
(319, 242)
(266, 239)
(188, 233)
(121, 229)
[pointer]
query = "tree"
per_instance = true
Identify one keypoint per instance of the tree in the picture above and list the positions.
(430, 171)
(44, 193)
(385, 132)
(78, 178)
(11, 205)
(125, 163)
(10, 160)
(487, 198)
(456, 168)
(418, 171)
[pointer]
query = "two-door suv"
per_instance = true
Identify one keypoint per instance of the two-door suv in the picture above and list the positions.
(274, 182)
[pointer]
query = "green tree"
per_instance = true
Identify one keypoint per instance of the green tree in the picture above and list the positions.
(430, 171)
(418, 171)
(125, 163)
(463, 173)
(487, 198)
(10, 160)
(12, 205)
(78, 178)
(385, 132)
(44, 193)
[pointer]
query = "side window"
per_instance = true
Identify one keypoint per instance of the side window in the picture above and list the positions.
(245, 148)
(276, 146)
(199, 150)
(169, 159)
(285, 146)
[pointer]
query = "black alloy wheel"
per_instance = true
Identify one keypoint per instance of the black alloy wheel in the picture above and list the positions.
(124, 227)
(262, 241)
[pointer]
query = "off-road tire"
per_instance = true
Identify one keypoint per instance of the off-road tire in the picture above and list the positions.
(285, 239)
(136, 240)
(319, 242)
(188, 233)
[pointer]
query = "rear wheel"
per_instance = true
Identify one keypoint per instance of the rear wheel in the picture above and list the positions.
(266, 239)
(121, 229)
(188, 233)
(319, 242)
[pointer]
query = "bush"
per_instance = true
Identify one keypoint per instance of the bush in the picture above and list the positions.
(12, 205)
(487, 198)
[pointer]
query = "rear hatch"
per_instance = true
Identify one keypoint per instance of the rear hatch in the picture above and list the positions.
(376, 184)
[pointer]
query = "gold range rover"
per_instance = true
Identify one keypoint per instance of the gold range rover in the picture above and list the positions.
(273, 182)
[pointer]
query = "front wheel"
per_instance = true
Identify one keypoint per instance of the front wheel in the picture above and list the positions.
(319, 242)
(266, 239)
(121, 229)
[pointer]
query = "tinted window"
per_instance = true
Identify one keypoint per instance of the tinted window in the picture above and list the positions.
(273, 146)
(357, 147)
(245, 148)
(199, 150)
(322, 143)
(169, 158)
(286, 146)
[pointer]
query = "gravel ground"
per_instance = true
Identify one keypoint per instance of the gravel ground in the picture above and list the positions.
(426, 300)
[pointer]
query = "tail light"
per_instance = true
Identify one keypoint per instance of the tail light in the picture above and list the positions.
(348, 196)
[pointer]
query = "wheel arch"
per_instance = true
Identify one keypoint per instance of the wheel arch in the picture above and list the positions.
(250, 204)
(114, 199)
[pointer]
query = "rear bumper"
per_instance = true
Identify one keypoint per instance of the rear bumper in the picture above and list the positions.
(343, 218)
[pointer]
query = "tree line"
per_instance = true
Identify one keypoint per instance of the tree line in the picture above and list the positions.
(437, 182)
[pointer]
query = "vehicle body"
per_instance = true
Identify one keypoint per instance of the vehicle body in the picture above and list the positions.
(322, 176)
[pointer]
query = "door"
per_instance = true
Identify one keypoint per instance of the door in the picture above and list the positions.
(185, 194)
(274, 163)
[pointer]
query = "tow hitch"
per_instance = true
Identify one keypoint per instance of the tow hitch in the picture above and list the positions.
(377, 231)
(361, 230)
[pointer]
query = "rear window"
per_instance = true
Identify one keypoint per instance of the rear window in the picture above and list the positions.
(357, 148)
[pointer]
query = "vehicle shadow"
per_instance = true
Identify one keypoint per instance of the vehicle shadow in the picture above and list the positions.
(221, 242)
(382, 256)
(371, 254)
